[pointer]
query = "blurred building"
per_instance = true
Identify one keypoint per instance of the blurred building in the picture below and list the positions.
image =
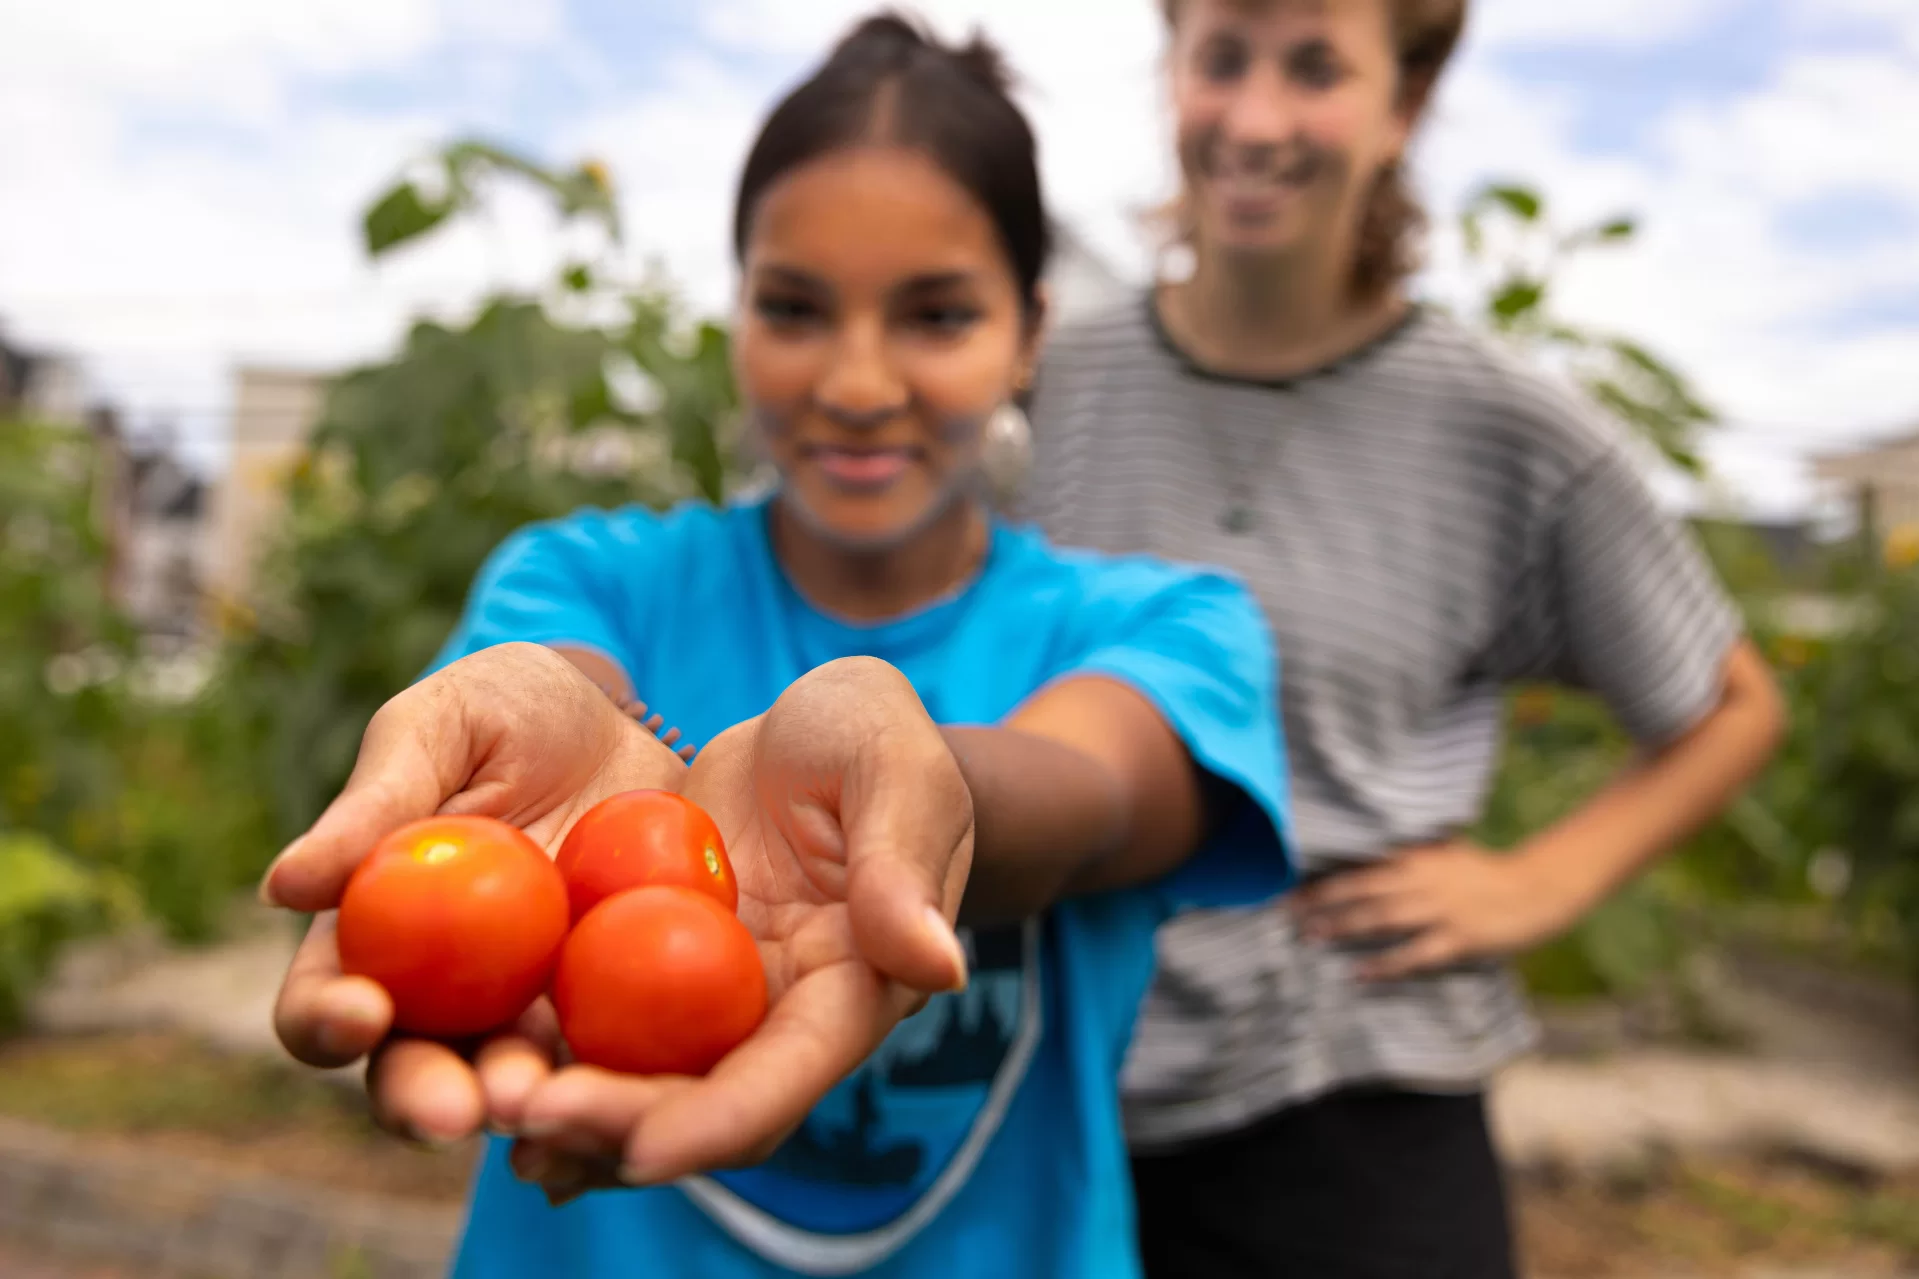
(274, 411)
(148, 505)
(42, 386)
(1882, 480)
(159, 562)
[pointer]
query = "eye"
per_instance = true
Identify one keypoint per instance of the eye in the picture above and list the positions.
(1223, 58)
(787, 309)
(945, 319)
(1316, 65)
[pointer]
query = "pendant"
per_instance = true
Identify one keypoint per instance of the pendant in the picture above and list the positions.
(1236, 519)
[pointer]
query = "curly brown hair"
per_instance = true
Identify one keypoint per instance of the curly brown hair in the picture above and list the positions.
(1393, 224)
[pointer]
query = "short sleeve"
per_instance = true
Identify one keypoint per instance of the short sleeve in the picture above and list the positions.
(1622, 602)
(1199, 649)
(559, 583)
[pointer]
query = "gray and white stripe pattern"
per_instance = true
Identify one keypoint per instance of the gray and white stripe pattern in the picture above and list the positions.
(1427, 522)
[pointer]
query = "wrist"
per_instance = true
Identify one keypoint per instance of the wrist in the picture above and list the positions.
(1559, 878)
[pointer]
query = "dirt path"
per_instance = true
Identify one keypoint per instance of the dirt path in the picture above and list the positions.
(1821, 1079)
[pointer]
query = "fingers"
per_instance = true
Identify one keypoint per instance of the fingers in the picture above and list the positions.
(323, 1017)
(900, 927)
(827, 1024)
(908, 819)
(589, 1112)
(1371, 917)
(425, 1091)
(1347, 888)
(413, 756)
(511, 1067)
(1427, 952)
(668, 1127)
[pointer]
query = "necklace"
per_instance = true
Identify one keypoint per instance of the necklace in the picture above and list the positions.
(1239, 477)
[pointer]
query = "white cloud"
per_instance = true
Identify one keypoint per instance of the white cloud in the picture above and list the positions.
(675, 154)
(1612, 23)
(167, 261)
(1715, 281)
(167, 211)
(226, 53)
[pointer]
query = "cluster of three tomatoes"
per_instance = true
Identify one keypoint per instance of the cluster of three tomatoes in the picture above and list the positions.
(632, 928)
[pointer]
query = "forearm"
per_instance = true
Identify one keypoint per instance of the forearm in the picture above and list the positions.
(1657, 803)
(1043, 814)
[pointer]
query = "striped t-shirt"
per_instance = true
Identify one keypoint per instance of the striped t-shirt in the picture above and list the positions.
(1425, 521)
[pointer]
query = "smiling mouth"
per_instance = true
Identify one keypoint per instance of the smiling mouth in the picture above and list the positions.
(860, 469)
(1255, 192)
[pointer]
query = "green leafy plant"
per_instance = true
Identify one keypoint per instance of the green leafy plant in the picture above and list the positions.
(1862, 768)
(598, 393)
(1508, 230)
(47, 898)
(455, 179)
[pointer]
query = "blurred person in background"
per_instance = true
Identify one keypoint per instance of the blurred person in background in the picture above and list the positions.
(1085, 744)
(1426, 522)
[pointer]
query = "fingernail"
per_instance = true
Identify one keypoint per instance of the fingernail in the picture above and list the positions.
(943, 935)
(538, 1128)
(267, 895)
(355, 1016)
(434, 1142)
(636, 1175)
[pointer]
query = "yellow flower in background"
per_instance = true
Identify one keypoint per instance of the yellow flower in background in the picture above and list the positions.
(1902, 546)
(1533, 706)
(596, 173)
(1791, 652)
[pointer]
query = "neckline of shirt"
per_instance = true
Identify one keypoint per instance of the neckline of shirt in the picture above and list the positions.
(1365, 351)
(914, 627)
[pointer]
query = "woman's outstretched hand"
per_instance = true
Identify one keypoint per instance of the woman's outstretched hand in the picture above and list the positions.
(851, 833)
(514, 732)
(850, 830)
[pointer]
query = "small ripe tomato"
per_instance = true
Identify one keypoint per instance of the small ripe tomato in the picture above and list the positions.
(658, 981)
(460, 919)
(645, 839)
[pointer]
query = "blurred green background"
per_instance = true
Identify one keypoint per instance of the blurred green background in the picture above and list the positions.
(122, 800)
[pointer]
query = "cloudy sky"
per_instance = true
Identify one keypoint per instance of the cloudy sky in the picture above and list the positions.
(180, 184)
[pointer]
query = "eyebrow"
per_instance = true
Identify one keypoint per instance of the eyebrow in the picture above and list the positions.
(791, 275)
(938, 280)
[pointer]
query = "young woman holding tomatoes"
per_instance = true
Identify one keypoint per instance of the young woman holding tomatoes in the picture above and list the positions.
(905, 706)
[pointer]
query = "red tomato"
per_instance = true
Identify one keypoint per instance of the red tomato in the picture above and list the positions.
(459, 918)
(645, 839)
(658, 981)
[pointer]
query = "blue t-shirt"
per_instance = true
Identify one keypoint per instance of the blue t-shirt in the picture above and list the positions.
(983, 1137)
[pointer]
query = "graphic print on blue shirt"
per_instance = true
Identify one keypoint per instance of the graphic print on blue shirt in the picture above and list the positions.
(983, 1136)
(891, 1145)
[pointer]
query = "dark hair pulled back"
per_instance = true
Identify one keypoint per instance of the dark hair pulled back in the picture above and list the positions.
(891, 81)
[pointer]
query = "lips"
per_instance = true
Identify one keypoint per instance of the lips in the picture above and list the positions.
(1249, 190)
(861, 469)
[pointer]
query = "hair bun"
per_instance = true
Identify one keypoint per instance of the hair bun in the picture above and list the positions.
(981, 59)
(892, 40)
(888, 40)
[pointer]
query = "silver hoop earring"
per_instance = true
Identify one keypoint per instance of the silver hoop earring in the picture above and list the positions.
(1007, 452)
(1176, 262)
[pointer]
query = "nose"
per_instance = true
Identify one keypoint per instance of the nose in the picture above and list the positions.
(1260, 114)
(860, 387)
